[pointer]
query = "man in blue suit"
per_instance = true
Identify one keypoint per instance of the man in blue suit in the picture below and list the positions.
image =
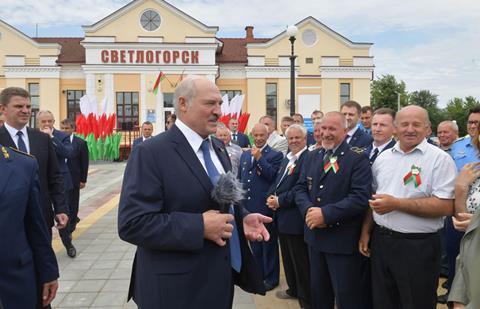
(356, 137)
(238, 137)
(332, 194)
(257, 171)
(289, 221)
(27, 256)
(147, 131)
(64, 150)
(190, 249)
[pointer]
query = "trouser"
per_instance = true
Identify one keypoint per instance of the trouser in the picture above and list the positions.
(266, 255)
(335, 279)
(296, 265)
(66, 232)
(452, 245)
(405, 269)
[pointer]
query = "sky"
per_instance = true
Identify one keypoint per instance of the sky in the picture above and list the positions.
(429, 44)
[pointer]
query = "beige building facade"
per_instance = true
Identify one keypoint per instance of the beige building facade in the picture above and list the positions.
(119, 58)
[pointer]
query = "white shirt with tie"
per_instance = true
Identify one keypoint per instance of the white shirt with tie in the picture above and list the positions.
(13, 134)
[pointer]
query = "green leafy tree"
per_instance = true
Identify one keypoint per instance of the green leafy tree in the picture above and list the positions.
(384, 92)
(457, 109)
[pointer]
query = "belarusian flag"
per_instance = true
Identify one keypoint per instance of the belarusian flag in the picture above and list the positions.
(160, 77)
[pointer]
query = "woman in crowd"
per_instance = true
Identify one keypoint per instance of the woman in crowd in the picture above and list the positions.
(465, 290)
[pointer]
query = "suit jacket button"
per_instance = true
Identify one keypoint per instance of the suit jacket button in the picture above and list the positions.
(338, 223)
(248, 189)
(248, 180)
(248, 198)
(318, 199)
(250, 172)
(321, 186)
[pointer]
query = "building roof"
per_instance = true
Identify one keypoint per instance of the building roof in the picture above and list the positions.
(71, 50)
(235, 49)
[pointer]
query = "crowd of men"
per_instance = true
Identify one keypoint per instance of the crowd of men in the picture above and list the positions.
(356, 208)
(44, 170)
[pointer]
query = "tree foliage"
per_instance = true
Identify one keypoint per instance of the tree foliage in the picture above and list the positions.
(384, 92)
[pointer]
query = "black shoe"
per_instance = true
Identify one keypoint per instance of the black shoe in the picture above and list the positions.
(71, 251)
(284, 295)
(268, 286)
(442, 299)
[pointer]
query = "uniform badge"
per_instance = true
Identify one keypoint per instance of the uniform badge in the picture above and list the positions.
(6, 155)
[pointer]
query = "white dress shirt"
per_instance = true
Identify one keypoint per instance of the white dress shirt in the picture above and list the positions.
(350, 133)
(437, 175)
(195, 141)
(13, 134)
(380, 148)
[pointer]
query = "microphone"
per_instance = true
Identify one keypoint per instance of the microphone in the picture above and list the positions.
(228, 191)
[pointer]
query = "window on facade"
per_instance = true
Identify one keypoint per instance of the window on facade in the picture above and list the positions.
(167, 99)
(127, 110)
(344, 92)
(231, 93)
(34, 90)
(308, 60)
(73, 103)
(272, 101)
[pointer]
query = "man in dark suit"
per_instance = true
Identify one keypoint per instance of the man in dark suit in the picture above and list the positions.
(382, 133)
(382, 129)
(147, 131)
(238, 137)
(27, 257)
(289, 221)
(64, 151)
(257, 171)
(183, 236)
(15, 104)
(356, 137)
(332, 194)
(78, 168)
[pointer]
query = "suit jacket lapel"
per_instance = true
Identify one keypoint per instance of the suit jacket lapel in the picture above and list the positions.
(280, 177)
(185, 151)
(34, 147)
(222, 155)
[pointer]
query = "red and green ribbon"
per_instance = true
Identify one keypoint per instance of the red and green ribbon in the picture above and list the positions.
(413, 176)
(331, 165)
(290, 169)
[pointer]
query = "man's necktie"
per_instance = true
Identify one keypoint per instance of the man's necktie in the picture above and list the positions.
(374, 156)
(327, 156)
(235, 254)
(21, 143)
(235, 136)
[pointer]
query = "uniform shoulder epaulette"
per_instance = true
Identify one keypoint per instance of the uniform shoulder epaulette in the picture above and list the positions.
(358, 150)
(20, 152)
(459, 139)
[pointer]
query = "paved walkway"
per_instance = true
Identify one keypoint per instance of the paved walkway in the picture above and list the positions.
(99, 276)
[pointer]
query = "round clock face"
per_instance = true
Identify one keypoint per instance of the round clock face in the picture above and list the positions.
(150, 20)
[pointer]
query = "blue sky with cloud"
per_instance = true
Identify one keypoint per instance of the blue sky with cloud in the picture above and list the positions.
(429, 44)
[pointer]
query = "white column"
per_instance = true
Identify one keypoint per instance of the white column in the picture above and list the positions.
(143, 98)
(110, 94)
(90, 81)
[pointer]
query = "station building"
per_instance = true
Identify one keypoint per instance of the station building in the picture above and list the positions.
(119, 58)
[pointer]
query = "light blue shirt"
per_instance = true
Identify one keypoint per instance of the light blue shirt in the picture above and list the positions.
(463, 152)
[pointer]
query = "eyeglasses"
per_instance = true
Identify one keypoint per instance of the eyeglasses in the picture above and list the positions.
(473, 122)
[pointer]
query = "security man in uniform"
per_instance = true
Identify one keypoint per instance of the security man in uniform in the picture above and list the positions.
(27, 256)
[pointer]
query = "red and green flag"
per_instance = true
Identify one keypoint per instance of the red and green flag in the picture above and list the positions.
(332, 164)
(160, 77)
